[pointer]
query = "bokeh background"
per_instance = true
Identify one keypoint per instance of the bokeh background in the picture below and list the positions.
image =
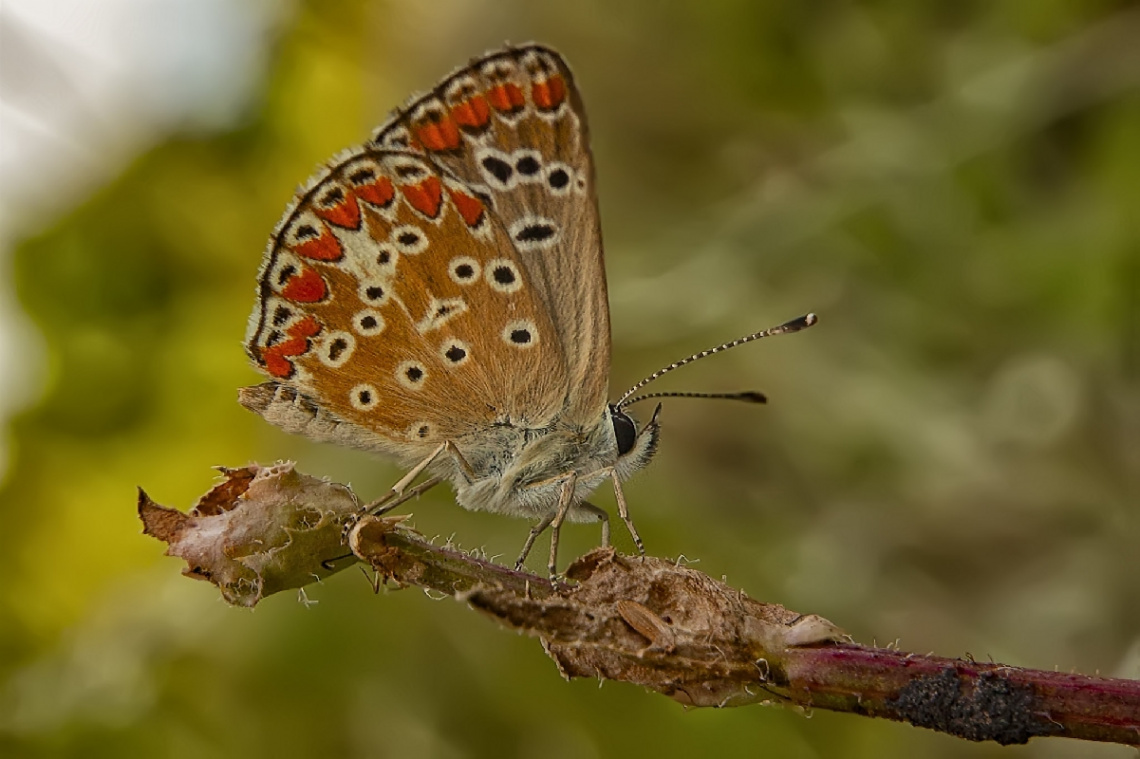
(950, 460)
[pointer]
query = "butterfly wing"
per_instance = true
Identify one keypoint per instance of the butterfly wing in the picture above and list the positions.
(392, 302)
(511, 126)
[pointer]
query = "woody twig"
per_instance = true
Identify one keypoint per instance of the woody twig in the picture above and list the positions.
(648, 621)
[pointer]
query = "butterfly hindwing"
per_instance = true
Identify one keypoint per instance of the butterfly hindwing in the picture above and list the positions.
(391, 298)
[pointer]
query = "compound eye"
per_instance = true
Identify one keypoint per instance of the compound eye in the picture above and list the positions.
(624, 430)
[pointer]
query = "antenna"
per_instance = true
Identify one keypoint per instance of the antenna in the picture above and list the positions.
(748, 396)
(795, 325)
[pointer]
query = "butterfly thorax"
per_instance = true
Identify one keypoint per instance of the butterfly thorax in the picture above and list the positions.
(521, 473)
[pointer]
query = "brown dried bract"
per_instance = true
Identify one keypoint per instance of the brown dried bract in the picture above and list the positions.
(260, 531)
(661, 625)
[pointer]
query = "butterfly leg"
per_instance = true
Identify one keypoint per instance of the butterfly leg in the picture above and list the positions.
(565, 498)
(535, 531)
(382, 505)
(623, 508)
(623, 512)
(603, 517)
(378, 508)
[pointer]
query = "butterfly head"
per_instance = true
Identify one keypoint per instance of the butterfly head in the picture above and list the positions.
(634, 447)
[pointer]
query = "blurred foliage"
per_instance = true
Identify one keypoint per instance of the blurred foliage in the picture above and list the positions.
(950, 459)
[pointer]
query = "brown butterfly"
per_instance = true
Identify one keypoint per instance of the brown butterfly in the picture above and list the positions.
(438, 296)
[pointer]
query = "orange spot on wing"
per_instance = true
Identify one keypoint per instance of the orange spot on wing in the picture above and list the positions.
(276, 357)
(276, 364)
(344, 214)
(325, 247)
(379, 193)
(506, 97)
(306, 286)
(307, 327)
(425, 197)
(442, 135)
(548, 95)
(469, 208)
(472, 113)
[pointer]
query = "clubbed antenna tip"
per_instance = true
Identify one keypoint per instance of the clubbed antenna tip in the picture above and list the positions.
(795, 325)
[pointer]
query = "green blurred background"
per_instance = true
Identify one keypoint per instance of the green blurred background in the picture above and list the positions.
(949, 461)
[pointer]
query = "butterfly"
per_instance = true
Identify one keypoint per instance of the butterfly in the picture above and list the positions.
(438, 296)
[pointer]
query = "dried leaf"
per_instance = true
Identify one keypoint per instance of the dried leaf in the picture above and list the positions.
(258, 532)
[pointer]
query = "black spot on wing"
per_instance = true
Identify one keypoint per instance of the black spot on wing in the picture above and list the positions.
(498, 168)
(536, 232)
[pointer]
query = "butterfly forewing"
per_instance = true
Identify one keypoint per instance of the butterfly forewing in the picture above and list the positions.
(392, 298)
(511, 126)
